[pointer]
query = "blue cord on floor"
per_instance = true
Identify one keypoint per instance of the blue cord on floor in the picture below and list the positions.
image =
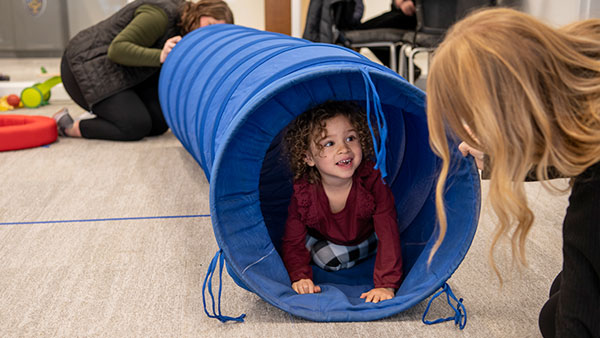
(104, 219)
(207, 285)
(460, 312)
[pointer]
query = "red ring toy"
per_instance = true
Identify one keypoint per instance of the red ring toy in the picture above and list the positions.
(25, 131)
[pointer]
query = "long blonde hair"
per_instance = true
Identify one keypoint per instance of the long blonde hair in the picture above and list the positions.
(526, 94)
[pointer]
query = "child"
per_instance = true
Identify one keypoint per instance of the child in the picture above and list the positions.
(341, 211)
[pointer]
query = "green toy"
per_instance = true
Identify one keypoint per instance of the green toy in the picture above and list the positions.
(39, 94)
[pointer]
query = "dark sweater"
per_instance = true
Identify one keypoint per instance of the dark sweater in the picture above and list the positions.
(578, 309)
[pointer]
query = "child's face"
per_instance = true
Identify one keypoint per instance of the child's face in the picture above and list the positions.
(341, 151)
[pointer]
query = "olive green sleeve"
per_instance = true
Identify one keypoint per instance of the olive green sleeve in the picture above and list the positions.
(132, 46)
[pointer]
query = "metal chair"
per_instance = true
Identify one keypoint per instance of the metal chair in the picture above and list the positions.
(335, 25)
(379, 37)
(434, 17)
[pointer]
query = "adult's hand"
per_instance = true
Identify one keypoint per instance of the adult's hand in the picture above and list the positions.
(169, 44)
(466, 149)
(406, 6)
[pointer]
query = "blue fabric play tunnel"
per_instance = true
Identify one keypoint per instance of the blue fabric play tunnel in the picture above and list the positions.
(228, 92)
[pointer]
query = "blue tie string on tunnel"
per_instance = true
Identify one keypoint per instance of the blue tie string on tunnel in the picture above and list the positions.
(232, 125)
(380, 149)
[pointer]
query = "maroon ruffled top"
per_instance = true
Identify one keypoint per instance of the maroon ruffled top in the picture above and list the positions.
(369, 208)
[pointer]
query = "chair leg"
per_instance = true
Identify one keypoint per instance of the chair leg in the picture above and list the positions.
(429, 54)
(411, 61)
(393, 65)
(402, 60)
(411, 65)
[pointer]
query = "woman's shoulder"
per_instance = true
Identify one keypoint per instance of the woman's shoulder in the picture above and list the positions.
(590, 175)
(151, 9)
(160, 9)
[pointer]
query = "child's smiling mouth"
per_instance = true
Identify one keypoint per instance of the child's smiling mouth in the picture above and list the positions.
(344, 162)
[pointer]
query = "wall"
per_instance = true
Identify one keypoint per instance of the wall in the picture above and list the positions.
(33, 29)
(594, 9)
(249, 13)
(82, 14)
(558, 12)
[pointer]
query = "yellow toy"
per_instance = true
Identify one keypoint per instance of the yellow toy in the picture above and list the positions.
(4, 105)
(39, 94)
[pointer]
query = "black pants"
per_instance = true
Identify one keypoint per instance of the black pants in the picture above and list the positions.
(392, 19)
(129, 115)
(548, 314)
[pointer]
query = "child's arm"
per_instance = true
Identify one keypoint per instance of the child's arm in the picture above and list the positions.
(306, 286)
(376, 295)
(296, 257)
(388, 261)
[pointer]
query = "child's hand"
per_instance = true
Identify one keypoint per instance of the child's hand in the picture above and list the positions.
(376, 295)
(305, 286)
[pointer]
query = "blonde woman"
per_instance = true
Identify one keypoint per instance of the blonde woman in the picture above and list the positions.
(528, 96)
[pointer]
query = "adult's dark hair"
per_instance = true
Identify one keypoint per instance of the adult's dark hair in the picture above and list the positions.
(191, 12)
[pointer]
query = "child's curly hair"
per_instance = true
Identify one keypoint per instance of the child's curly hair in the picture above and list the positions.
(308, 126)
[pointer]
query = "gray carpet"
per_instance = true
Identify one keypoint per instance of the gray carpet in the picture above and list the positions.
(91, 267)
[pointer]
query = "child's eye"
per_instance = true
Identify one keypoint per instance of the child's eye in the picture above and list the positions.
(350, 138)
(328, 144)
